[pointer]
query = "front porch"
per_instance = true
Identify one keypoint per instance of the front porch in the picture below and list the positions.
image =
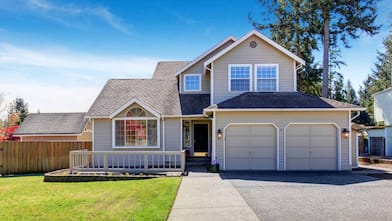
(196, 137)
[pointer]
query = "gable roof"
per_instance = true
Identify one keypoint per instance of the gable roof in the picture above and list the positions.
(283, 100)
(220, 44)
(158, 94)
(168, 69)
(52, 123)
(261, 36)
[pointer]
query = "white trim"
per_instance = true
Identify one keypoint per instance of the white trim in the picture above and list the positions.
(258, 34)
(249, 124)
(93, 133)
(163, 135)
(212, 84)
(136, 118)
(295, 77)
(205, 54)
(129, 103)
(383, 91)
(250, 76)
(192, 75)
(276, 79)
(357, 149)
(213, 148)
(181, 130)
(181, 89)
(47, 135)
(339, 144)
(350, 159)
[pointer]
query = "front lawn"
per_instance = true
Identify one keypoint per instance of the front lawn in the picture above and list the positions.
(29, 198)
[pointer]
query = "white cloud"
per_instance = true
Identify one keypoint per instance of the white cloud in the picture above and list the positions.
(65, 60)
(68, 14)
(61, 80)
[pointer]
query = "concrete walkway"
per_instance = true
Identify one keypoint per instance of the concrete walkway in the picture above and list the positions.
(205, 196)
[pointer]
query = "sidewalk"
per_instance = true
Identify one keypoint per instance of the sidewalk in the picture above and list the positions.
(205, 196)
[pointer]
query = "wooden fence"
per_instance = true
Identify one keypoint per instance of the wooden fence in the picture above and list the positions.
(36, 157)
(377, 146)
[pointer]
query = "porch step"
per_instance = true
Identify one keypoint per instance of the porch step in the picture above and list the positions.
(198, 161)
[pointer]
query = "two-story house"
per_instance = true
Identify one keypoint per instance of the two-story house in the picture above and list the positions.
(383, 117)
(237, 103)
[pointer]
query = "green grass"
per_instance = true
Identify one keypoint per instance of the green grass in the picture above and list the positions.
(29, 198)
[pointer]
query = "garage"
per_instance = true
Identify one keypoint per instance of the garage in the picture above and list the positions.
(250, 147)
(311, 147)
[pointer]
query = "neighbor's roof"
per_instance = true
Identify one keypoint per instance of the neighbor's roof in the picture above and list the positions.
(168, 69)
(158, 94)
(284, 100)
(52, 123)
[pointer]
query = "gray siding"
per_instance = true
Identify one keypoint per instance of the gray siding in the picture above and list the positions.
(382, 107)
(198, 68)
(102, 134)
(282, 119)
(243, 54)
(172, 134)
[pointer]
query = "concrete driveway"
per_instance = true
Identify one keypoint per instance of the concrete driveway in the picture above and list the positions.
(315, 196)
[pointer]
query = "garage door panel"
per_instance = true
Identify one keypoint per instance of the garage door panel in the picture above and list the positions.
(298, 164)
(238, 164)
(238, 131)
(266, 164)
(313, 148)
(238, 141)
(298, 152)
(250, 147)
(265, 131)
(324, 164)
(262, 142)
(262, 153)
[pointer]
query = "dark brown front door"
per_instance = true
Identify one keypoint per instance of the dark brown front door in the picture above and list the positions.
(200, 137)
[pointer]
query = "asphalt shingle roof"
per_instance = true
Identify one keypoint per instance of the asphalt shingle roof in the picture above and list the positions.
(194, 103)
(281, 100)
(161, 95)
(52, 123)
(168, 69)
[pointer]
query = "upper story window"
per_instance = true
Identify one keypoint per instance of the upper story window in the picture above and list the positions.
(266, 77)
(192, 82)
(239, 77)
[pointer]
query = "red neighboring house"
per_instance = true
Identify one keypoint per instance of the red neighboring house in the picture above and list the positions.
(7, 133)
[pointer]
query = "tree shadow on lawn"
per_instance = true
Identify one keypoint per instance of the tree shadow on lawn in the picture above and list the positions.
(314, 177)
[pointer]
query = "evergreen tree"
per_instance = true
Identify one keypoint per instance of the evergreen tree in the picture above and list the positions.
(351, 96)
(379, 79)
(300, 25)
(19, 107)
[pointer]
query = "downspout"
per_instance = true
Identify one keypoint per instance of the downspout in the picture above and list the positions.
(163, 134)
(350, 137)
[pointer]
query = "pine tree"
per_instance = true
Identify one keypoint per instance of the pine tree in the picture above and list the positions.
(379, 79)
(351, 96)
(19, 107)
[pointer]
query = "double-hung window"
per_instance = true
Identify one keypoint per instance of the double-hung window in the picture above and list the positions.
(266, 77)
(192, 82)
(138, 129)
(240, 77)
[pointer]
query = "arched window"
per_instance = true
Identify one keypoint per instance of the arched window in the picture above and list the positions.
(136, 112)
(138, 128)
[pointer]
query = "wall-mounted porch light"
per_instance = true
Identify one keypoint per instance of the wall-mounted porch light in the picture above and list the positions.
(219, 134)
(345, 133)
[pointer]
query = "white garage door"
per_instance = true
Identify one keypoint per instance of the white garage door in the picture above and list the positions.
(311, 147)
(250, 147)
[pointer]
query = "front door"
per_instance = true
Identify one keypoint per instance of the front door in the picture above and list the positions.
(200, 139)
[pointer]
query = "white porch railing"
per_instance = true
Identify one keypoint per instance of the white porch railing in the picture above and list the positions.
(126, 161)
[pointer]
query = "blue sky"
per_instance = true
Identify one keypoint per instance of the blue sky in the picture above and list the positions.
(58, 54)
